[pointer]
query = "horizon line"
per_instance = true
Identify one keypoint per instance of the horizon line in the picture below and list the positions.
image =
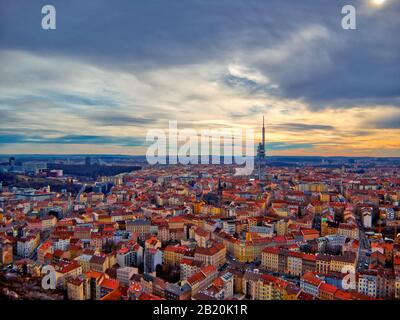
(143, 155)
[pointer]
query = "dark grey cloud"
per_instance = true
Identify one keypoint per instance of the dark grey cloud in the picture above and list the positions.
(81, 100)
(288, 146)
(115, 119)
(57, 100)
(356, 133)
(325, 66)
(100, 111)
(70, 139)
(7, 130)
(302, 127)
(7, 116)
(386, 122)
(250, 112)
(250, 86)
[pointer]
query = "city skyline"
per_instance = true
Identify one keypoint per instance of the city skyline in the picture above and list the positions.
(186, 153)
(95, 86)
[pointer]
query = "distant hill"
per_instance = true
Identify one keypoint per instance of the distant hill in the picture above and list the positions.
(92, 171)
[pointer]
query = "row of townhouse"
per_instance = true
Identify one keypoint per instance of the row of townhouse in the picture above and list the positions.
(296, 263)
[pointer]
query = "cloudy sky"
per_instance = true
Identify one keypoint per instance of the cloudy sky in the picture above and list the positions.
(112, 70)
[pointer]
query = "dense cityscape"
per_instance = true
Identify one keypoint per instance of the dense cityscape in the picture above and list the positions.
(199, 158)
(299, 229)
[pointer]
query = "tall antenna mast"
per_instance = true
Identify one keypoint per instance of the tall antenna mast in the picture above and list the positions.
(263, 134)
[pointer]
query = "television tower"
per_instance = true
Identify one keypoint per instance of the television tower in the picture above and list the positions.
(263, 136)
(261, 153)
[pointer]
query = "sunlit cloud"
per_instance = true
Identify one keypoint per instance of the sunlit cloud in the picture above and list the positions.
(323, 91)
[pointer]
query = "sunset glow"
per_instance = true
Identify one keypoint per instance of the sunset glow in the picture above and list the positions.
(322, 92)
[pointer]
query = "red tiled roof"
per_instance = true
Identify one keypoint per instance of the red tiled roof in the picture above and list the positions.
(328, 288)
(93, 274)
(217, 247)
(272, 250)
(197, 277)
(342, 295)
(110, 284)
(312, 279)
(309, 257)
(147, 296)
(113, 295)
(176, 249)
(295, 254)
(309, 231)
(177, 219)
(208, 270)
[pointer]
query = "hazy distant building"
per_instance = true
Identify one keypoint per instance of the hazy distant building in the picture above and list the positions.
(11, 162)
(33, 166)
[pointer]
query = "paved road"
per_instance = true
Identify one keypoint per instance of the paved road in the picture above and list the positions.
(364, 247)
